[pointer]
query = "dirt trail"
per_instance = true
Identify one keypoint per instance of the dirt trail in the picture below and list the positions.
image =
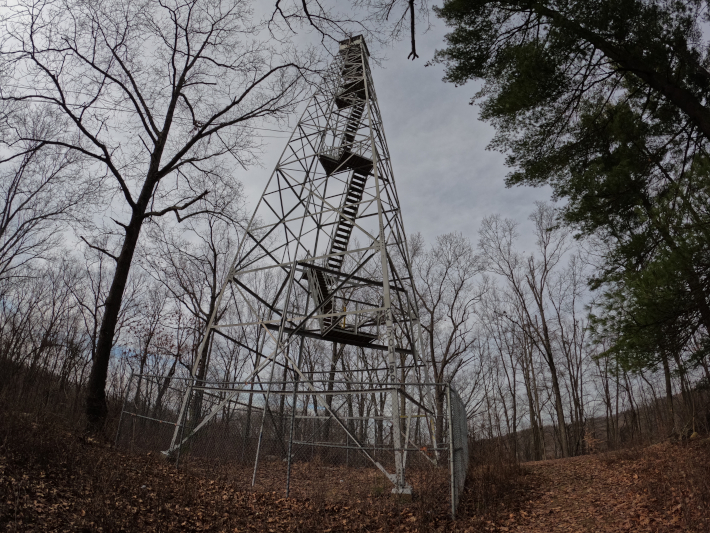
(585, 494)
(661, 488)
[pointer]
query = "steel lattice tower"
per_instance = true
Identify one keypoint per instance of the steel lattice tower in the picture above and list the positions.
(325, 257)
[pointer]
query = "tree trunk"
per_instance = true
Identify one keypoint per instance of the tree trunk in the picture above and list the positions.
(337, 353)
(202, 368)
(559, 408)
(96, 407)
(538, 409)
(669, 386)
(684, 386)
(526, 361)
(440, 394)
(157, 410)
(635, 419)
(549, 358)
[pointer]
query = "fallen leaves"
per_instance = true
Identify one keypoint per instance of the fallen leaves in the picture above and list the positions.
(97, 489)
(622, 494)
(53, 481)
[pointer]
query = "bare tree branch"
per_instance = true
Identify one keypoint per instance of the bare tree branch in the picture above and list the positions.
(177, 208)
(98, 248)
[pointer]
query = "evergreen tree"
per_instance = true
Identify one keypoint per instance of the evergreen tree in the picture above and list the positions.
(606, 102)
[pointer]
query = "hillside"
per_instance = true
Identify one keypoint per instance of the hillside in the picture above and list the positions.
(53, 480)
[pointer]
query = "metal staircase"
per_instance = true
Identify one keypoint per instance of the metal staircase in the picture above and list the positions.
(349, 155)
(348, 214)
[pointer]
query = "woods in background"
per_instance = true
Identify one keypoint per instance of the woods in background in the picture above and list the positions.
(592, 336)
(510, 328)
(606, 102)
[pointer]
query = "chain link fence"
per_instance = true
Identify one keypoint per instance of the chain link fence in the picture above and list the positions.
(331, 439)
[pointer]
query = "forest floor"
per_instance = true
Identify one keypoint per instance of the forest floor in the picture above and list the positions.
(53, 479)
(664, 487)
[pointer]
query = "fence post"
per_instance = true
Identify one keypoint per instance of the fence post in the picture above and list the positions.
(451, 451)
(183, 421)
(123, 409)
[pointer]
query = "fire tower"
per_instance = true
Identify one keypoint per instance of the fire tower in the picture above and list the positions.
(324, 259)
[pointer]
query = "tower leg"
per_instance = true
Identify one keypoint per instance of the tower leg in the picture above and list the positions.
(400, 484)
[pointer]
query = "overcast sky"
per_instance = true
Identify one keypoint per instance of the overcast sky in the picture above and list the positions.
(446, 179)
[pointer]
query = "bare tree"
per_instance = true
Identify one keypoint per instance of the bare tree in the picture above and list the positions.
(192, 262)
(158, 95)
(381, 21)
(41, 187)
(40, 341)
(505, 341)
(446, 283)
(150, 338)
(528, 279)
(399, 17)
(566, 292)
(192, 265)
